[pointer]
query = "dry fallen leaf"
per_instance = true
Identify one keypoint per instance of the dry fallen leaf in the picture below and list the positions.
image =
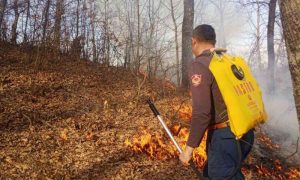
(89, 136)
(64, 134)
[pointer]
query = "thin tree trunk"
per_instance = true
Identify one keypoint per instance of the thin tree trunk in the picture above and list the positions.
(15, 23)
(150, 44)
(92, 16)
(26, 22)
(57, 25)
(126, 54)
(3, 4)
(34, 30)
(46, 19)
(291, 24)
(84, 29)
(176, 44)
(106, 38)
(187, 29)
(270, 41)
(130, 34)
(138, 38)
(259, 59)
(77, 18)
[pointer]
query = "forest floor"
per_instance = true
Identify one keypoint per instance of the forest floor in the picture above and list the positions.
(71, 120)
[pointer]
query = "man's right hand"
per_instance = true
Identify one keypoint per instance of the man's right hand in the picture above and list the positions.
(186, 156)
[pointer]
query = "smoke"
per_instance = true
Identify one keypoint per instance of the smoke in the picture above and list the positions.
(282, 124)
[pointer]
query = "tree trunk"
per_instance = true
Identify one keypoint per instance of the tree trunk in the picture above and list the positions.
(15, 23)
(130, 54)
(84, 30)
(187, 30)
(57, 25)
(290, 16)
(106, 34)
(26, 22)
(270, 41)
(77, 19)
(3, 4)
(138, 38)
(92, 17)
(46, 19)
(176, 44)
(258, 48)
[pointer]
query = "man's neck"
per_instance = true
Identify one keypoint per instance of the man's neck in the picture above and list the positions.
(204, 48)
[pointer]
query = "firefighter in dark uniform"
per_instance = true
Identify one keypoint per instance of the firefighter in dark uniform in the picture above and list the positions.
(209, 113)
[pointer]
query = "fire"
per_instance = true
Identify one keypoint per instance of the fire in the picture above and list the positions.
(156, 147)
(184, 112)
(293, 173)
(278, 171)
(152, 145)
(159, 146)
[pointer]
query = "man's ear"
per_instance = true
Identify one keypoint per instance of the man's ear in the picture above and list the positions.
(194, 41)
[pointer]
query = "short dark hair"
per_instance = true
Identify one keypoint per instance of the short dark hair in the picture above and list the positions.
(205, 33)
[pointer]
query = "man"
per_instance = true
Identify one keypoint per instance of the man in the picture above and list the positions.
(210, 113)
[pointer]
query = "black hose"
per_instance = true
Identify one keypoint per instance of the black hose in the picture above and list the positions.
(153, 108)
(239, 160)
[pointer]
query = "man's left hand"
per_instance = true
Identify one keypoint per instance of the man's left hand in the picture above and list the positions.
(186, 155)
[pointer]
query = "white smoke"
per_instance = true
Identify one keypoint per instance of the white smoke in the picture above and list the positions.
(282, 125)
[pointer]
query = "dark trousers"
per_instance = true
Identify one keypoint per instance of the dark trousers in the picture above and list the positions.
(223, 156)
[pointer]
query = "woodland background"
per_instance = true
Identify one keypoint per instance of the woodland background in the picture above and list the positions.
(75, 75)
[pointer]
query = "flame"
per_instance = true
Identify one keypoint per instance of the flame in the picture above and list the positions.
(293, 173)
(184, 112)
(152, 145)
(158, 146)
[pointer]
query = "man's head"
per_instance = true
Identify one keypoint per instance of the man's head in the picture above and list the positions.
(204, 37)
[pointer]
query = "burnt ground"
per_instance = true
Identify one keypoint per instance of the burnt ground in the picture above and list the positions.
(71, 119)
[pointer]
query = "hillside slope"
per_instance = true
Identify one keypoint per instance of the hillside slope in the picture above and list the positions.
(73, 119)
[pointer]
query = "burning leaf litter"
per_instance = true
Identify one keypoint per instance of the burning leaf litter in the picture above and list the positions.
(159, 148)
(71, 121)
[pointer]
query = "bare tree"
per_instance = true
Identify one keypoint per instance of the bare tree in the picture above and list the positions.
(46, 19)
(187, 29)
(138, 60)
(77, 18)
(84, 29)
(57, 25)
(270, 41)
(290, 20)
(106, 43)
(176, 43)
(26, 21)
(15, 23)
(3, 4)
(93, 19)
(258, 34)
